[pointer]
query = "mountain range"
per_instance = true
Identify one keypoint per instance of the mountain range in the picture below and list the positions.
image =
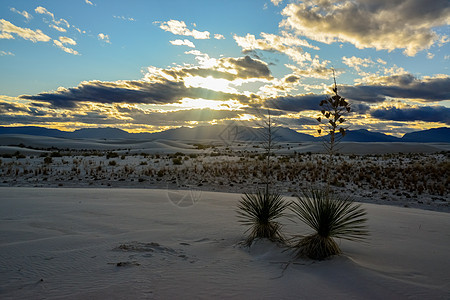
(230, 134)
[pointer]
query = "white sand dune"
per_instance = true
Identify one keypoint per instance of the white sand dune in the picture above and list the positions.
(171, 146)
(159, 244)
(157, 146)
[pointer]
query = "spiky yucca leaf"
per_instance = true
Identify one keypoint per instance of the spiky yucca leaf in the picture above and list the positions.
(260, 210)
(330, 216)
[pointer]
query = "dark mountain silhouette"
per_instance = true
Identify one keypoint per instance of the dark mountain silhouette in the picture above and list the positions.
(33, 130)
(99, 133)
(230, 133)
(435, 135)
(364, 135)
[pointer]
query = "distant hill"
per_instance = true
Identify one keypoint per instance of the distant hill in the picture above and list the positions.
(99, 133)
(33, 130)
(435, 135)
(229, 134)
(364, 135)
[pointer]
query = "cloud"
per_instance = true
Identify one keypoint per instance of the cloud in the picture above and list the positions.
(66, 40)
(183, 43)
(180, 28)
(124, 18)
(104, 37)
(299, 103)
(295, 103)
(316, 69)
(158, 91)
(57, 24)
(276, 2)
(405, 86)
(422, 113)
(43, 11)
(379, 24)
(6, 53)
(246, 67)
(116, 114)
(60, 29)
(286, 43)
(228, 68)
(174, 118)
(357, 62)
(380, 61)
(88, 2)
(11, 107)
(23, 13)
(60, 45)
(218, 36)
(295, 122)
(7, 29)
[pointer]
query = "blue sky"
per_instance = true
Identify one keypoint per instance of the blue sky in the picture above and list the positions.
(153, 65)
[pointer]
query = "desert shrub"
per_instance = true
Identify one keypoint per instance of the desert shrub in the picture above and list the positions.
(177, 161)
(111, 155)
(56, 154)
(330, 216)
(259, 211)
(48, 160)
(112, 163)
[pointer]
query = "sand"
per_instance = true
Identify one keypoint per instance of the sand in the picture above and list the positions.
(161, 244)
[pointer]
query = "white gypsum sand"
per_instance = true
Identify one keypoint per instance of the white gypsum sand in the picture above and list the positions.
(138, 244)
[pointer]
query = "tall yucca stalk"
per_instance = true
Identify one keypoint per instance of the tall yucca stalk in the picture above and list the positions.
(260, 210)
(330, 216)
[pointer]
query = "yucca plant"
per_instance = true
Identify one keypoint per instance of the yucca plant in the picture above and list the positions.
(330, 216)
(260, 210)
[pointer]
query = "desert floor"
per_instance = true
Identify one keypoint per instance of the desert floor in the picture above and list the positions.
(90, 243)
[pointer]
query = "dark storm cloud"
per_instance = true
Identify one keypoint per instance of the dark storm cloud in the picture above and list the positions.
(307, 102)
(29, 119)
(295, 103)
(248, 67)
(379, 24)
(424, 113)
(6, 107)
(360, 108)
(159, 92)
(291, 79)
(158, 89)
(296, 121)
(400, 86)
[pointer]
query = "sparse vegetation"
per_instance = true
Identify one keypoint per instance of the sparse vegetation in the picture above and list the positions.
(260, 211)
(330, 216)
(177, 161)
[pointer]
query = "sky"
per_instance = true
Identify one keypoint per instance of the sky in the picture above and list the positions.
(146, 66)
